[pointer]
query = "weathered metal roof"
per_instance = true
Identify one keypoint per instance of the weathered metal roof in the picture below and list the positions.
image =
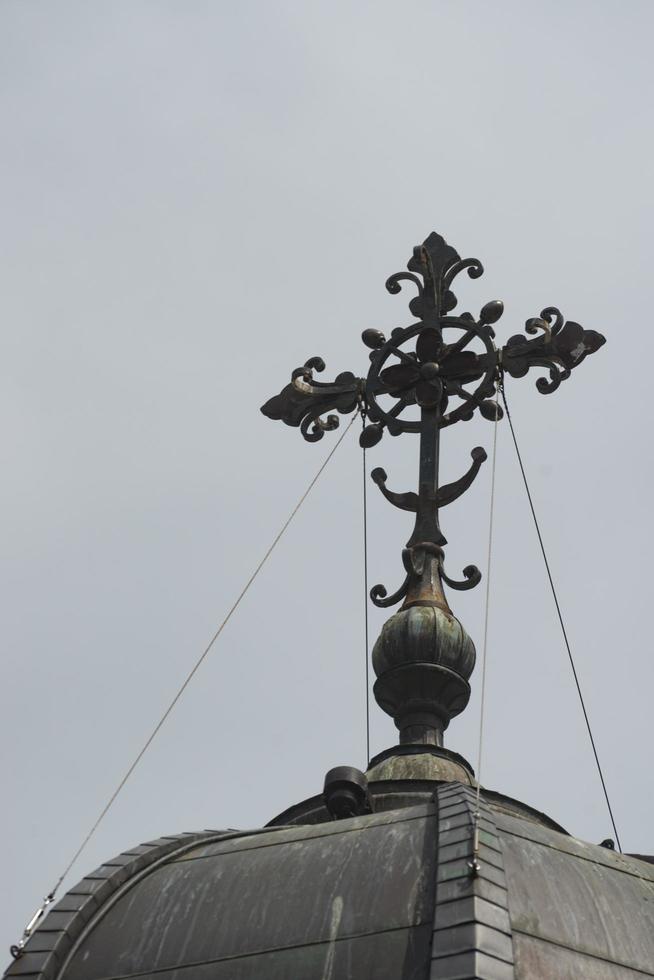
(385, 895)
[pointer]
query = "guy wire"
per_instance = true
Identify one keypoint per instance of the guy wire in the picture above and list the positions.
(560, 615)
(199, 662)
(475, 857)
(365, 594)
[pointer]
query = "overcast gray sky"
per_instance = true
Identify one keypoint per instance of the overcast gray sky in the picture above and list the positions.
(197, 196)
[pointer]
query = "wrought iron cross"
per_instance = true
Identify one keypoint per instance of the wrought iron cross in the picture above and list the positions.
(449, 367)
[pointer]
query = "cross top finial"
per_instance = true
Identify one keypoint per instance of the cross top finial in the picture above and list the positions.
(447, 367)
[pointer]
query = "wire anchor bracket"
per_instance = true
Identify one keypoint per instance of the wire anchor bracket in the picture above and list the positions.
(18, 949)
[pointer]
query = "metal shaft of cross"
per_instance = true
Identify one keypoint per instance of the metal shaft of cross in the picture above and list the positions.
(427, 527)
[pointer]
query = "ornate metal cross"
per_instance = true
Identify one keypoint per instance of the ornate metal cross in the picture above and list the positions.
(448, 367)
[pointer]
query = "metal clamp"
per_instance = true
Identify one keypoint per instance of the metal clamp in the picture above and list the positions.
(19, 947)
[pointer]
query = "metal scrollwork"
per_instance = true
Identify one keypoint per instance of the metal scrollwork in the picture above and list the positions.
(304, 401)
(447, 367)
(560, 346)
(380, 597)
(440, 367)
(471, 578)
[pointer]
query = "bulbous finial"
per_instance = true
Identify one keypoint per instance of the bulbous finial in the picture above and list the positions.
(423, 659)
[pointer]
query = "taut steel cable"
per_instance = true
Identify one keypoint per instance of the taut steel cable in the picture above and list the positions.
(365, 597)
(475, 857)
(560, 617)
(40, 912)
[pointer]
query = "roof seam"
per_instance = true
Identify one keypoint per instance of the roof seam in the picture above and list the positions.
(330, 833)
(269, 949)
(485, 941)
(583, 952)
(580, 857)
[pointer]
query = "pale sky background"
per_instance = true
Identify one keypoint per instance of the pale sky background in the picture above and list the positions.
(196, 197)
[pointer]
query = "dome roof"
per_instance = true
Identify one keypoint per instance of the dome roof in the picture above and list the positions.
(389, 894)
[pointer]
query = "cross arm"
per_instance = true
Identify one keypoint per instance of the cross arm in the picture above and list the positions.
(304, 400)
(558, 345)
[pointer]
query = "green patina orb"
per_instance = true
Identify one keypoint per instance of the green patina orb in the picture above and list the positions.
(424, 634)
